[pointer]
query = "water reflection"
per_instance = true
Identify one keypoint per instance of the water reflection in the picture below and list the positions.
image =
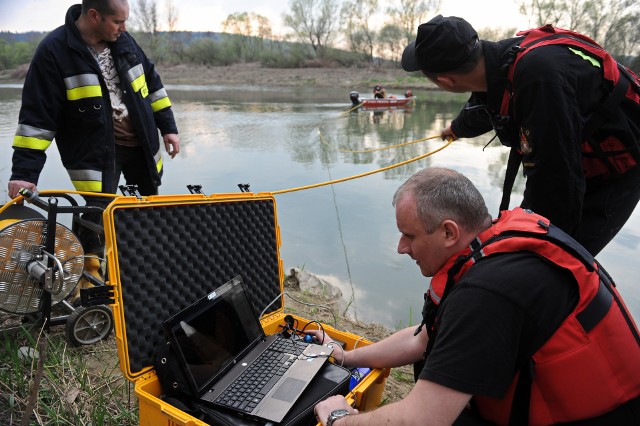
(282, 139)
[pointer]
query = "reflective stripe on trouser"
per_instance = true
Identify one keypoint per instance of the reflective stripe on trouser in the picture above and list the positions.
(33, 137)
(86, 180)
(158, 159)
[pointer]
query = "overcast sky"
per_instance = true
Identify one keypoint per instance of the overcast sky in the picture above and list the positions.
(206, 15)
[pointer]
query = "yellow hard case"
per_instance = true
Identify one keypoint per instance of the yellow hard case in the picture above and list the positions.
(164, 252)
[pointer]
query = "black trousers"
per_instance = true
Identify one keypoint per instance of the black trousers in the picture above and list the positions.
(130, 163)
(607, 206)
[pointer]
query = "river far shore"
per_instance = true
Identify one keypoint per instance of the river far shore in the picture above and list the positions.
(255, 75)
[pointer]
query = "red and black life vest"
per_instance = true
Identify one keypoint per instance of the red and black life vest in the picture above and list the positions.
(590, 365)
(608, 156)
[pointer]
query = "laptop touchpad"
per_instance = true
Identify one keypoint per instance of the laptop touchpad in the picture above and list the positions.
(289, 389)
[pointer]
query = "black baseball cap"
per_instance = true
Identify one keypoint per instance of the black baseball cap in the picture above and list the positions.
(441, 45)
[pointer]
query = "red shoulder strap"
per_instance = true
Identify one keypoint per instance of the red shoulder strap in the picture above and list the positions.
(550, 35)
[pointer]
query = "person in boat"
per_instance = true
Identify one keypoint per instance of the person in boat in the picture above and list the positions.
(379, 92)
(518, 327)
(569, 112)
(92, 88)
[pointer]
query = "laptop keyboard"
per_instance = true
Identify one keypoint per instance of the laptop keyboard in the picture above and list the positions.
(246, 392)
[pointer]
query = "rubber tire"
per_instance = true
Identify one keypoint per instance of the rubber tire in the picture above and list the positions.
(88, 325)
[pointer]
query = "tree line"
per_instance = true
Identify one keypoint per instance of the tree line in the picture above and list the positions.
(345, 32)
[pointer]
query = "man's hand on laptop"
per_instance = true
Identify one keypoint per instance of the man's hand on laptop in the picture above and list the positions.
(320, 337)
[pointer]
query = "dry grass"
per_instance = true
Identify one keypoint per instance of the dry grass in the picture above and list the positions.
(68, 385)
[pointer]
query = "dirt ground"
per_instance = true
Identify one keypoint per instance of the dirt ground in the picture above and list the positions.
(254, 74)
(400, 380)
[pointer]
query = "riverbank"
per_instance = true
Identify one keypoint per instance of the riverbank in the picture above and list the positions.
(255, 75)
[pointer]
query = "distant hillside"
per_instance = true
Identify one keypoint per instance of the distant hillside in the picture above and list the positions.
(10, 37)
(185, 37)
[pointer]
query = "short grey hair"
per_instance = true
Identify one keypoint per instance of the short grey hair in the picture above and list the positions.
(442, 194)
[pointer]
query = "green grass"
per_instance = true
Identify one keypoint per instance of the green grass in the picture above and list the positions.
(65, 385)
(402, 376)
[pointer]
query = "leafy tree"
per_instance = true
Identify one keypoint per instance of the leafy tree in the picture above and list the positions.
(313, 22)
(172, 15)
(612, 23)
(250, 32)
(495, 34)
(392, 41)
(145, 16)
(144, 20)
(357, 14)
(408, 14)
(206, 51)
(543, 12)
(14, 53)
(174, 45)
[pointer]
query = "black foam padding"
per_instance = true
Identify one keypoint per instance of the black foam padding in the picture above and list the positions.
(171, 255)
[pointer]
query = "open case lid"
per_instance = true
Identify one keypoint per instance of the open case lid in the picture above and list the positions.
(165, 252)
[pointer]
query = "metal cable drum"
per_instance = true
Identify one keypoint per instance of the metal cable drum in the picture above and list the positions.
(20, 243)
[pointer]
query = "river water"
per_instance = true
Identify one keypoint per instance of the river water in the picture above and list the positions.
(281, 139)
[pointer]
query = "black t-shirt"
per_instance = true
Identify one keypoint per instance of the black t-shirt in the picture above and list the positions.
(502, 310)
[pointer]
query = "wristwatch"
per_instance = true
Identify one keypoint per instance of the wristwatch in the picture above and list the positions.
(335, 415)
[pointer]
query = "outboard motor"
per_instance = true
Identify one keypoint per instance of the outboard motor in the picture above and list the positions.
(355, 98)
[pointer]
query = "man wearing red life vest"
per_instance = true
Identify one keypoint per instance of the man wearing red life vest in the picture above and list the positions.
(521, 325)
(568, 110)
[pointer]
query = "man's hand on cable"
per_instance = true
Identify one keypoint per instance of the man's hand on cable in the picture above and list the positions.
(447, 134)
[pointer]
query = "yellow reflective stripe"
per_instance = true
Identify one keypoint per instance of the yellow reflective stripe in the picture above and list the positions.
(159, 100)
(160, 104)
(83, 86)
(159, 165)
(140, 84)
(595, 62)
(86, 180)
(30, 142)
(138, 80)
(84, 92)
(87, 185)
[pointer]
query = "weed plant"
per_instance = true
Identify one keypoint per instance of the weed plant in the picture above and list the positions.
(61, 384)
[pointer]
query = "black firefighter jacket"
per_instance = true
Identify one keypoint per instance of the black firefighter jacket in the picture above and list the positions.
(65, 97)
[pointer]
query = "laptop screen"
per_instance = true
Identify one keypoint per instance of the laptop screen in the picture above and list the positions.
(213, 332)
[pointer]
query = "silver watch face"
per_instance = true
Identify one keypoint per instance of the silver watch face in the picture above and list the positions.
(336, 414)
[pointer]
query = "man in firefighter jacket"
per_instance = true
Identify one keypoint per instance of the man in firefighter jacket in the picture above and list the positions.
(567, 109)
(521, 325)
(92, 88)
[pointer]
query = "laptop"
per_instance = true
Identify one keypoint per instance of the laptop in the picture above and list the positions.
(229, 361)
